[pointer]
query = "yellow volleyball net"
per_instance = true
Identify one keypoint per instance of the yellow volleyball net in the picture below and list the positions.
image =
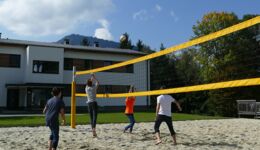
(209, 86)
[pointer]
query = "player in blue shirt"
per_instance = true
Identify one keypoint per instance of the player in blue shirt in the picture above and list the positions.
(53, 108)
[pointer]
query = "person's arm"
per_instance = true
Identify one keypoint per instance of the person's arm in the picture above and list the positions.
(44, 110)
(157, 110)
(96, 81)
(62, 113)
(178, 105)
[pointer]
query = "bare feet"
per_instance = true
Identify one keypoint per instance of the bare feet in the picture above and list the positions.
(50, 145)
(158, 142)
(94, 134)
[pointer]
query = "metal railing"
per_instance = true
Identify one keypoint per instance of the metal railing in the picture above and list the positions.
(248, 107)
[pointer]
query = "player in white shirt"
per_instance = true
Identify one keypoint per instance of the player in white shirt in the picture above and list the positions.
(163, 113)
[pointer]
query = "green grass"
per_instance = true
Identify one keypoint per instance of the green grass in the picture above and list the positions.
(102, 118)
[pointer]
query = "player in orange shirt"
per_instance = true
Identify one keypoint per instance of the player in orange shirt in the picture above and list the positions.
(129, 110)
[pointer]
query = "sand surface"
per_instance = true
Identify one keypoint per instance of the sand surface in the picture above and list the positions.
(191, 135)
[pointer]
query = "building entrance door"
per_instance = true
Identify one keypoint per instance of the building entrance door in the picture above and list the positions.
(12, 99)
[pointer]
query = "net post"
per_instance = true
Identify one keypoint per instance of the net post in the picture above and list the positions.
(73, 100)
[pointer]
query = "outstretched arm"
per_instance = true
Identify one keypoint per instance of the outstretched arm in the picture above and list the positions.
(44, 110)
(178, 105)
(93, 77)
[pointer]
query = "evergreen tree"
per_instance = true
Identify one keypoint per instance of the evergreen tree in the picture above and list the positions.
(140, 45)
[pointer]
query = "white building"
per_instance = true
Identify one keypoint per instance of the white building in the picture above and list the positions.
(28, 71)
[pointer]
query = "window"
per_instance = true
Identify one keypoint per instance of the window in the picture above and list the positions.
(81, 64)
(68, 63)
(66, 92)
(113, 89)
(120, 88)
(124, 69)
(107, 63)
(96, 44)
(85, 64)
(98, 63)
(50, 67)
(130, 68)
(10, 60)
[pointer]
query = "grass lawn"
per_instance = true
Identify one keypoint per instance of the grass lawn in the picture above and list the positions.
(102, 118)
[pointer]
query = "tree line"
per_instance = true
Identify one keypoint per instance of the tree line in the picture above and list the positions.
(232, 57)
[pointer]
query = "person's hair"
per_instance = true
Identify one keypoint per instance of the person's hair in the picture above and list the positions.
(55, 91)
(89, 82)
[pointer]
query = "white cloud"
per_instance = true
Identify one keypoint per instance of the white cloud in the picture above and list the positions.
(48, 17)
(174, 16)
(103, 33)
(158, 7)
(141, 15)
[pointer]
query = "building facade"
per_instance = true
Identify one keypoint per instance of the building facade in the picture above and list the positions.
(29, 70)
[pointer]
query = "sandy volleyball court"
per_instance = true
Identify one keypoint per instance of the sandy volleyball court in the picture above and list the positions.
(206, 134)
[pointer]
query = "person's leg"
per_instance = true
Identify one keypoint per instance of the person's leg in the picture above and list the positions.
(157, 124)
(95, 113)
(129, 125)
(55, 137)
(90, 110)
(50, 139)
(168, 121)
(132, 122)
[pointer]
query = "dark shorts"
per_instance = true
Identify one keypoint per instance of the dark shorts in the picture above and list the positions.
(164, 118)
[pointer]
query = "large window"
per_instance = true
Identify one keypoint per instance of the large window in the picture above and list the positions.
(85, 64)
(81, 64)
(49, 67)
(10, 60)
(124, 69)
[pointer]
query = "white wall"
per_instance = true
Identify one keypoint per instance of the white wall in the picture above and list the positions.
(43, 54)
(25, 74)
(10, 75)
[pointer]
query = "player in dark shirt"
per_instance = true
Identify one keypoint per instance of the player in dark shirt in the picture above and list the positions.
(53, 108)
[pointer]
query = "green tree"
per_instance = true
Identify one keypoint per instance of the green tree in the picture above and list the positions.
(227, 58)
(162, 47)
(163, 73)
(188, 73)
(140, 45)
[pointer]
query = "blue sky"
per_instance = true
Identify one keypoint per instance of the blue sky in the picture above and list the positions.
(153, 21)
